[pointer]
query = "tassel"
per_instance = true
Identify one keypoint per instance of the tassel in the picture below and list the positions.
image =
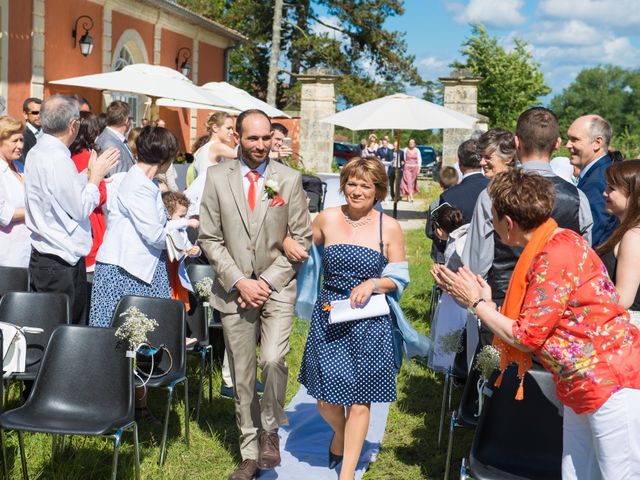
(498, 381)
(520, 391)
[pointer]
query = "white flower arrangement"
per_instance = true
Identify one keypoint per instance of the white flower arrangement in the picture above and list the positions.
(451, 342)
(271, 187)
(487, 361)
(135, 327)
(203, 288)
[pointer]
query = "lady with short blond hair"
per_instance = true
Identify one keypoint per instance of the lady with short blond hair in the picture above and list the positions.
(346, 366)
(15, 243)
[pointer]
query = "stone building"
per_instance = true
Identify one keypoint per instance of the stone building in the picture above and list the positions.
(37, 47)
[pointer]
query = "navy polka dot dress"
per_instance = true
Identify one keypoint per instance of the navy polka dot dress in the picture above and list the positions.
(350, 362)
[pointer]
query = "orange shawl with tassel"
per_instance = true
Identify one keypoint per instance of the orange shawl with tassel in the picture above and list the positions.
(514, 300)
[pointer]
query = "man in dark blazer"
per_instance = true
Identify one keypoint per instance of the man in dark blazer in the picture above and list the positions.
(114, 135)
(387, 154)
(464, 195)
(588, 143)
(32, 129)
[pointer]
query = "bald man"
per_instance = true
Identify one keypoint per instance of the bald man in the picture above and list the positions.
(588, 143)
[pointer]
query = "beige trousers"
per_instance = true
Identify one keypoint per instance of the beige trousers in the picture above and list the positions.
(272, 324)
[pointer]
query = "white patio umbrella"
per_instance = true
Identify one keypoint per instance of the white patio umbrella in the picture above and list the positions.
(238, 98)
(400, 112)
(154, 81)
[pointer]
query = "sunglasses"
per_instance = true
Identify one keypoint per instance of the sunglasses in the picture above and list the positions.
(34, 112)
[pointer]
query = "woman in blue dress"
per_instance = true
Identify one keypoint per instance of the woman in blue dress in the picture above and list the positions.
(346, 366)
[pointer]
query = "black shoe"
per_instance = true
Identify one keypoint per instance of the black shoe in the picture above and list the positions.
(334, 460)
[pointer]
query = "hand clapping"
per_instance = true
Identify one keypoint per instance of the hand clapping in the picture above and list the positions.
(464, 286)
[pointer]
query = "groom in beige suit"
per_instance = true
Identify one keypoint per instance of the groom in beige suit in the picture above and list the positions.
(248, 208)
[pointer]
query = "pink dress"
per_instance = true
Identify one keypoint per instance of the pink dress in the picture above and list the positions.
(409, 184)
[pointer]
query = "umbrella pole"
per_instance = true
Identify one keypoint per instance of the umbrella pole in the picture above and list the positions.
(395, 177)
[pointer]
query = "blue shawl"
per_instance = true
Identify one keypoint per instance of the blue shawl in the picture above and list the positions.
(414, 344)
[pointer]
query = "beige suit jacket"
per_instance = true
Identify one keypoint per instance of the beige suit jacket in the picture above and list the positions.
(239, 243)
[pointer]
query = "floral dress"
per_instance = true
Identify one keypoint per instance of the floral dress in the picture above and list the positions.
(571, 320)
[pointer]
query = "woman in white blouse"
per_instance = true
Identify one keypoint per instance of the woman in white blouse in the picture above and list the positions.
(15, 243)
(132, 257)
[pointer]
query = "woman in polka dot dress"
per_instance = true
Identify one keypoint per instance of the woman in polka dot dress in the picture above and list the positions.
(347, 366)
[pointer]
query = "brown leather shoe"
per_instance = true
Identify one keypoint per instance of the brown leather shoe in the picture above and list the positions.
(247, 470)
(269, 456)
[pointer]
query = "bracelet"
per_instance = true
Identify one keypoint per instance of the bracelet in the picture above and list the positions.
(376, 285)
(472, 307)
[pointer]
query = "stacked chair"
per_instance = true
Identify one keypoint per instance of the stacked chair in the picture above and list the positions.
(41, 310)
(83, 387)
(198, 321)
(14, 279)
(170, 332)
(518, 439)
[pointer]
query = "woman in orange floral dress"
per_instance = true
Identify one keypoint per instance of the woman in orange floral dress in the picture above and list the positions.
(564, 310)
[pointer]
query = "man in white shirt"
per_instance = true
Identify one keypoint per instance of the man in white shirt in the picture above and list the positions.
(115, 135)
(58, 201)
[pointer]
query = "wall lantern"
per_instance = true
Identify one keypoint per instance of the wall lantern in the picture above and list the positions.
(86, 41)
(185, 66)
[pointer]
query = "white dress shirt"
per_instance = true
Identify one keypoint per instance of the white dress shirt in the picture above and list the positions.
(58, 201)
(136, 234)
(15, 242)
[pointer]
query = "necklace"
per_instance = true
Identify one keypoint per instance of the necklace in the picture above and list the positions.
(357, 223)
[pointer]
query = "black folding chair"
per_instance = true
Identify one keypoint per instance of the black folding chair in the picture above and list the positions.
(84, 387)
(14, 279)
(170, 332)
(519, 438)
(41, 310)
(466, 415)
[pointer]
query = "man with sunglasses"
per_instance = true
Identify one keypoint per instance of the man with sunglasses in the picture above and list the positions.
(32, 130)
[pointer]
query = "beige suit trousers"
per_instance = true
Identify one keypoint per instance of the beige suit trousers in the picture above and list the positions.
(272, 324)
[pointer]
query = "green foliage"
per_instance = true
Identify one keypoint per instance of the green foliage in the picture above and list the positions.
(511, 80)
(370, 60)
(612, 93)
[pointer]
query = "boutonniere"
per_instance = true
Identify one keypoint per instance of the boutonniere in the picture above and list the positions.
(271, 187)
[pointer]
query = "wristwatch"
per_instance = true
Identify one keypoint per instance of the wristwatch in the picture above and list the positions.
(472, 308)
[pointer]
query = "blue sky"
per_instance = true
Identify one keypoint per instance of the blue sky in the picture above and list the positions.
(565, 36)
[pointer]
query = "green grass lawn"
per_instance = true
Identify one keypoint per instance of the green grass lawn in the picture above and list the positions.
(409, 450)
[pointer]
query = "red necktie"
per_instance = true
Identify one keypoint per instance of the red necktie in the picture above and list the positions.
(253, 177)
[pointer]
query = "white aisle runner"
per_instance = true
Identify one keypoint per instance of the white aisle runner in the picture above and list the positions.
(304, 443)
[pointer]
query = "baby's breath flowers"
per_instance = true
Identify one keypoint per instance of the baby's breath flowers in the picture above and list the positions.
(451, 342)
(487, 361)
(135, 327)
(203, 288)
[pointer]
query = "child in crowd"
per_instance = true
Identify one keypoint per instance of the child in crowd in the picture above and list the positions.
(449, 318)
(177, 205)
(448, 178)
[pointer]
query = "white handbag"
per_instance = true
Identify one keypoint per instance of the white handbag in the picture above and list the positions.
(175, 246)
(341, 310)
(14, 347)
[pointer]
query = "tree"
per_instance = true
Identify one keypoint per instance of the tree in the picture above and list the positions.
(275, 53)
(344, 36)
(511, 81)
(608, 91)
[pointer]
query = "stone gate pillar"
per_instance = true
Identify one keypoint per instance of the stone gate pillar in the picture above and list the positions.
(318, 100)
(460, 94)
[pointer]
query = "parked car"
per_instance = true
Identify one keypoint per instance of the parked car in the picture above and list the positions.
(343, 152)
(428, 159)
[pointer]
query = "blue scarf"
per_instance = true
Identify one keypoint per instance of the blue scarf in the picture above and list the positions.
(414, 344)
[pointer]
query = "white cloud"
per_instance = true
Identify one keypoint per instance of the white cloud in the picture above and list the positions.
(615, 50)
(319, 28)
(618, 13)
(573, 32)
(497, 13)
